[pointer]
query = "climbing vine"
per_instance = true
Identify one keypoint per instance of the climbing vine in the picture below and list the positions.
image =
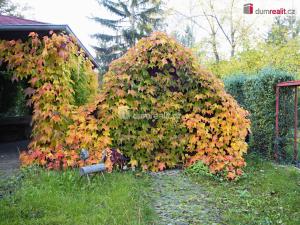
(157, 106)
(60, 127)
(167, 110)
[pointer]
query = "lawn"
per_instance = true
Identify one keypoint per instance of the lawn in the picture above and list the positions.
(47, 197)
(267, 194)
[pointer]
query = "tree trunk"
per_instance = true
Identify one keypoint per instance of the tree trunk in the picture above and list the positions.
(214, 47)
(132, 23)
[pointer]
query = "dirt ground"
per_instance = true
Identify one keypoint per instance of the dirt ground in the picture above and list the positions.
(9, 157)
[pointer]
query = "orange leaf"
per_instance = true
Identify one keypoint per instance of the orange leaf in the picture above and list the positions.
(231, 176)
(161, 166)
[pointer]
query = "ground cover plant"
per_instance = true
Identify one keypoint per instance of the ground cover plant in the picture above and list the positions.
(51, 197)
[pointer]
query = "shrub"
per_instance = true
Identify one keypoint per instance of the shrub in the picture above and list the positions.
(257, 94)
(164, 109)
(198, 168)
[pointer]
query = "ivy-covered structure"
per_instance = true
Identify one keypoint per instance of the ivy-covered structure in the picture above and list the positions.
(47, 78)
(14, 114)
(157, 106)
(164, 109)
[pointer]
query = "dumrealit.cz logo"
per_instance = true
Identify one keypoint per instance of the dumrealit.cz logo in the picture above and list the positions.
(248, 9)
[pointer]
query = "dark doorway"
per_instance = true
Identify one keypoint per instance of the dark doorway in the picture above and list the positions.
(15, 118)
(14, 114)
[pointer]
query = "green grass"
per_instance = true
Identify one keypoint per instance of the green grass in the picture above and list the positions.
(48, 197)
(267, 194)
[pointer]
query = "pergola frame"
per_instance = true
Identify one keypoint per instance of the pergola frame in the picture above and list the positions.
(292, 84)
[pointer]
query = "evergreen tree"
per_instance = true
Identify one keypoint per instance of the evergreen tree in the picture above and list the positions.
(131, 20)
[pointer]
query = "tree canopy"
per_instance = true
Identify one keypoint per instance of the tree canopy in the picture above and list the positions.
(129, 21)
(7, 7)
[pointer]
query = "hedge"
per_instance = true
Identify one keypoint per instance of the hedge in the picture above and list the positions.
(234, 85)
(256, 93)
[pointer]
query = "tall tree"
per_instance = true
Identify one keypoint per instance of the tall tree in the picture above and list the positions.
(213, 29)
(283, 29)
(187, 38)
(222, 24)
(9, 8)
(130, 20)
(235, 30)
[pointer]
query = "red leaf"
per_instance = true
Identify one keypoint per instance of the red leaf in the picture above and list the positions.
(33, 80)
(239, 172)
(60, 155)
(29, 91)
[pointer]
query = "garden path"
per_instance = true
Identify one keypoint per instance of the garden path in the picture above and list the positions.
(9, 157)
(180, 201)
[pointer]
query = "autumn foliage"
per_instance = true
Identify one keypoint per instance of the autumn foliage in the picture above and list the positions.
(60, 127)
(157, 105)
(166, 110)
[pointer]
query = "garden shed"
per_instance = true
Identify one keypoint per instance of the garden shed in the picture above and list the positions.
(15, 116)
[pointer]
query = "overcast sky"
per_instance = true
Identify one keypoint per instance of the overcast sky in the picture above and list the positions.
(75, 13)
